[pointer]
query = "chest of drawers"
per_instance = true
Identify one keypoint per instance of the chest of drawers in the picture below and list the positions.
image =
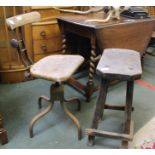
(45, 36)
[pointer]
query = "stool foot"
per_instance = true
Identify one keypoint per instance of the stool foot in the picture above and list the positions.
(76, 100)
(91, 140)
(38, 116)
(73, 118)
(124, 145)
(3, 136)
(40, 101)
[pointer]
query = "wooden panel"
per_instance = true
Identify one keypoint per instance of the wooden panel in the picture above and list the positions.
(47, 11)
(45, 31)
(49, 7)
(3, 55)
(151, 10)
(1, 13)
(9, 11)
(40, 56)
(10, 66)
(47, 45)
(12, 77)
(2, 36)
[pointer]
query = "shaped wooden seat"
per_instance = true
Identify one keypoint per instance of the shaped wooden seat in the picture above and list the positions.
(57, 68)
(116, 64)
(120, 64)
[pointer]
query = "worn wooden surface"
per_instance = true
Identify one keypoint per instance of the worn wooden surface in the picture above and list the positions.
(116, 64)
(125, 33)
(120, 64)
(56, 67)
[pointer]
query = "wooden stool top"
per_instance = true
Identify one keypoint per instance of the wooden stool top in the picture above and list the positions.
(56, 68)
(120, 64)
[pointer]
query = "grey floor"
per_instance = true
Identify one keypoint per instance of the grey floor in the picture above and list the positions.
(18, 103)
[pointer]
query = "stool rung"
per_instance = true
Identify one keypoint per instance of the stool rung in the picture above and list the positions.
(102, 133)
(116, 107)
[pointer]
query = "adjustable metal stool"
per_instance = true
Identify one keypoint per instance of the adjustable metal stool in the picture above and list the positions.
(122, 65)
(56, 68)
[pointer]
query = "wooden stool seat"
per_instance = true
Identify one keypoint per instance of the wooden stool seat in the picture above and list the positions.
(123, 65)
(120, 64)
(57, 68)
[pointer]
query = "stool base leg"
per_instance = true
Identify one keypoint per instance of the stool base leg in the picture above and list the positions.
(40, 101)
(58, 95)
(99, 109)
(38, 116)
(128, 111)
(100, 106)
(73, 118)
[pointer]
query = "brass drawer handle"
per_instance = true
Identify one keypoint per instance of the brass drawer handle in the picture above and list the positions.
(43, 34)
(44, 48)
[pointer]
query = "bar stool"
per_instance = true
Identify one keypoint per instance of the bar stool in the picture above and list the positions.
(56, 68)
(122, 65)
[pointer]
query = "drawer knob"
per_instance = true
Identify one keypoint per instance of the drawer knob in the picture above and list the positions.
(44, 48)
(43, 34)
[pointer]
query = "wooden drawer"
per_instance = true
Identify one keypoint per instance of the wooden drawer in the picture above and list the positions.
(45, 31)
(51, 45)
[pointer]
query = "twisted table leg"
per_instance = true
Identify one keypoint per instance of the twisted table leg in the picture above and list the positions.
(92, 66)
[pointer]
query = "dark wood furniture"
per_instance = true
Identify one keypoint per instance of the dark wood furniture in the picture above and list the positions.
(3, 132)
(122, 65)
(125, 33)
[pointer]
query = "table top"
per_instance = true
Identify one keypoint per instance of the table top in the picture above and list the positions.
(82, 20)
